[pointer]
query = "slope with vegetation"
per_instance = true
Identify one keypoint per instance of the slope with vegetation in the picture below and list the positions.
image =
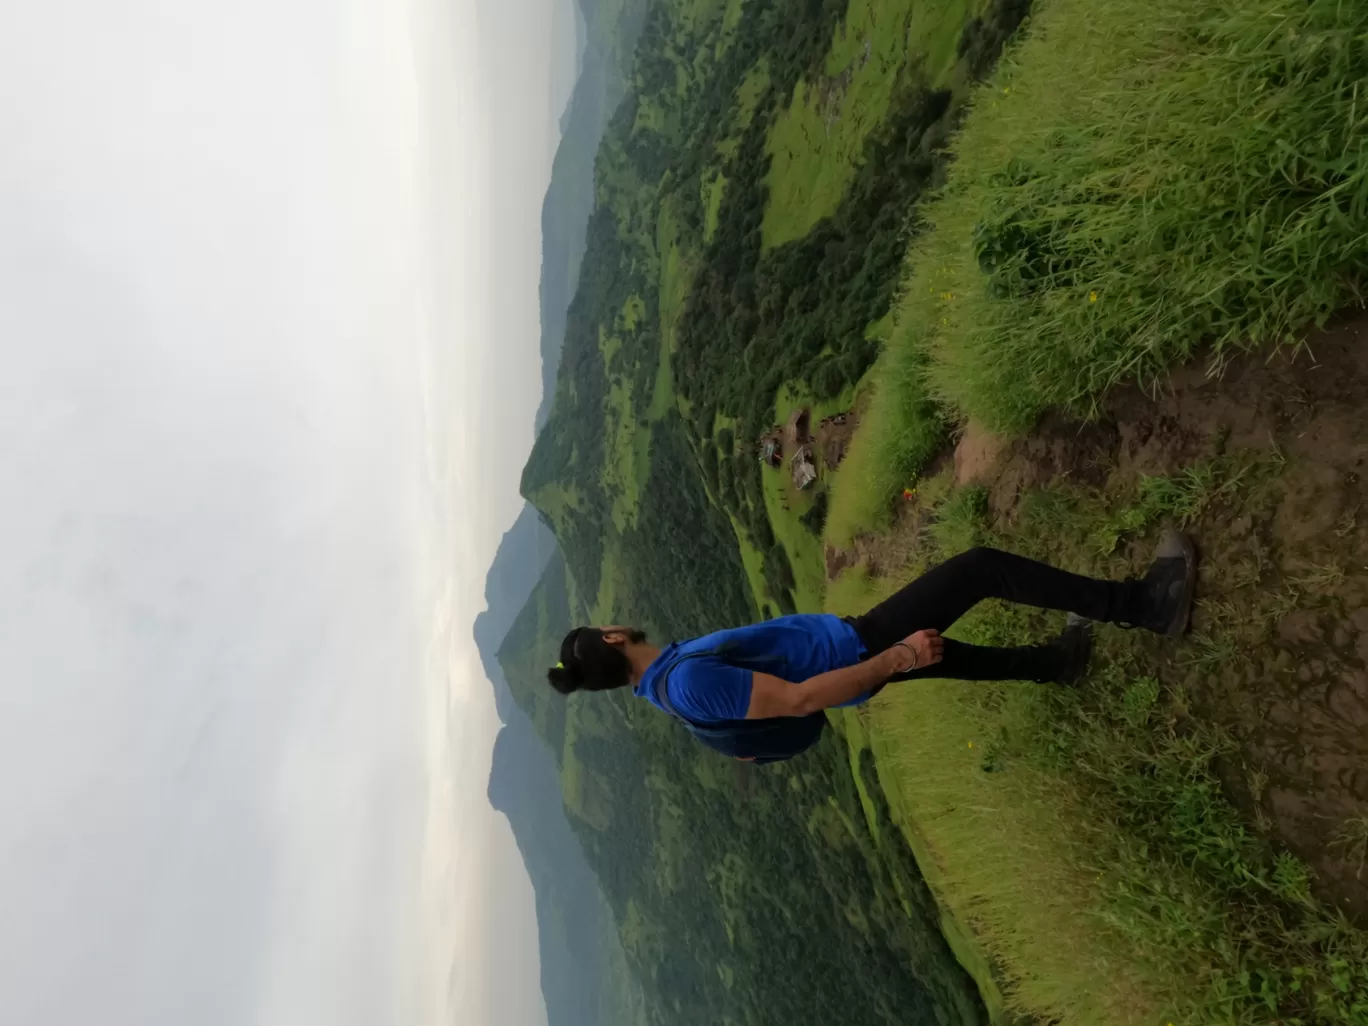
(730, 888)
(740, 895)
(584, 978)
(1142, 186)
(609, 30)
(817, 203)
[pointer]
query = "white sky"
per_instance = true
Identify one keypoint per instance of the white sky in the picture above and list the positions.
(264, 401)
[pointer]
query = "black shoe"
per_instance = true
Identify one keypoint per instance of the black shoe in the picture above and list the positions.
(1167, 588)
(1074, 648)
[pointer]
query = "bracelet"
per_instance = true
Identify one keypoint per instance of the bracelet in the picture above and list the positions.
(912, 653)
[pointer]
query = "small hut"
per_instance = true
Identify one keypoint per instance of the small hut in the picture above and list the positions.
(770, 452)
(796, 431)
(802, 468)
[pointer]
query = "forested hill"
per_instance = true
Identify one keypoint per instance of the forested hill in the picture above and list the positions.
(580, 954)
(609, 32)
(584, 982)
(752, 200)
(740, 895)
(583, 979)
(607, 36)
(749, 225)
(522, 556)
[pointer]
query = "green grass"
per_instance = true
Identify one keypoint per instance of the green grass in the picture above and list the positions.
(677, 268)
(1141, 182)
(554, 500)
(795, 394)
(753, 560)
(1084, 837)
(696, 17)
(604, 604)
(804, 548)
(632, 312)
(816, 143)
(627, 431)
(851, 724)
(785, 505)
(731, 17)
(900, 431)
(854, 591)
(748, 95)
(713, 188)
(627, 459)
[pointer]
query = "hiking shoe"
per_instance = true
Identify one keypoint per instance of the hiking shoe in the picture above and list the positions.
(1074, 647)
(1167, 588)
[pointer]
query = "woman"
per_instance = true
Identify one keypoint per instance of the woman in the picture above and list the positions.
(795, 666)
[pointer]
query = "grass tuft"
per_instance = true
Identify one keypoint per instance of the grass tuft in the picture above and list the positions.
(1144, 180)
(1085, 836)
(1140, 183)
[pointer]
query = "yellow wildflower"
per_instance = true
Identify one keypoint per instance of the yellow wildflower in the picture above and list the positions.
(1092, 296)
(971, 744)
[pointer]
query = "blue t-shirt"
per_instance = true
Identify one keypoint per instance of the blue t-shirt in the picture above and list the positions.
(710, 677)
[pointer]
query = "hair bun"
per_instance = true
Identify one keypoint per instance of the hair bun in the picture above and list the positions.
(563, 678)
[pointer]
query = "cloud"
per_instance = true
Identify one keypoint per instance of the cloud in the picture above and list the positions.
(236, 447)
(263, 414)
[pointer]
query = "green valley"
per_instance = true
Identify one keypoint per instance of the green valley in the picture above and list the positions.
(1009, 248)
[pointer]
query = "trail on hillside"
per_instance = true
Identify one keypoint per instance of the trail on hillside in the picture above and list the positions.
(1279, 650)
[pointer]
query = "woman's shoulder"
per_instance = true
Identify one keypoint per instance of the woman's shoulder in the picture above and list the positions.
(707, 687)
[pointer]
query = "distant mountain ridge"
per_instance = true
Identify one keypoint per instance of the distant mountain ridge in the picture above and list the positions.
(605, 56)
(581, 957)
(745, 896)
(572, 918)
(522, 556)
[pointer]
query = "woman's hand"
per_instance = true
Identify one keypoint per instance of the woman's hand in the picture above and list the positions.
(772, 697)
(917, 651)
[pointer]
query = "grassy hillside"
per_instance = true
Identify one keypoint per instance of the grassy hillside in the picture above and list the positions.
(827, 203)
(583, 977)
(689, 333)
(740, 896)
(610, 30)
(1141, 184)
(690, 322)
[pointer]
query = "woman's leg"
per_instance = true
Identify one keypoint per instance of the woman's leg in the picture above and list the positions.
(1057, 661)
(1161, 602)
(941, 596)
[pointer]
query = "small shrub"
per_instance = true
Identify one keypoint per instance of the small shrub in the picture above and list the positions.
(815, 518)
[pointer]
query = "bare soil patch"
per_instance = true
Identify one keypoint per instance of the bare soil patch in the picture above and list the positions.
(833, 437)
(1279, 655)
(977, 454)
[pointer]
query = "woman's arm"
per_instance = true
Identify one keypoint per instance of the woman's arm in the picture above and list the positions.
(773, 696)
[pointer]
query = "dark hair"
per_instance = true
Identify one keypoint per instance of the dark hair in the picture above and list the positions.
(589, 663)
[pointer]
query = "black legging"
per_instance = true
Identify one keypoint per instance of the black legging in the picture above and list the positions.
(942, 595)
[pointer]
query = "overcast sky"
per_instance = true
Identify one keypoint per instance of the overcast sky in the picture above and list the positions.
(268, 384)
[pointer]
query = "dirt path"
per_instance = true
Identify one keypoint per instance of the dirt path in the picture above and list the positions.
(1279, 654)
